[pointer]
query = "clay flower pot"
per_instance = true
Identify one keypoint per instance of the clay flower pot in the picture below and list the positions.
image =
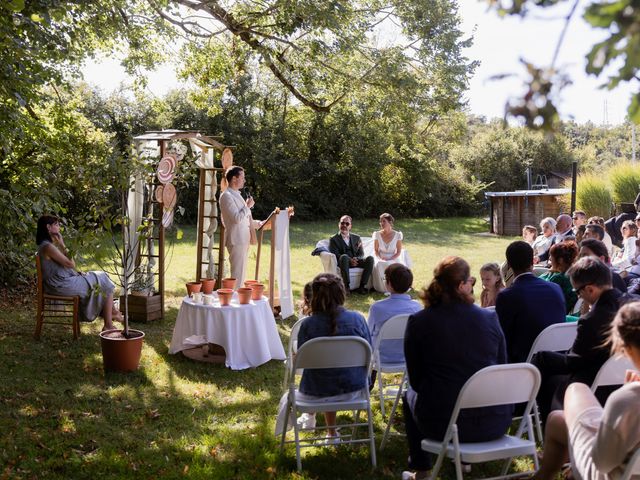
(244, 295)
(207, 285)
(224, 295)
(256, 291)
(120, 354)
(248, 283)
(193, 287)
(229, 283)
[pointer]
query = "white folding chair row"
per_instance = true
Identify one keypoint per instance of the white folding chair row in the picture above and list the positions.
(329, 352)
(555, 338)
(491, 386)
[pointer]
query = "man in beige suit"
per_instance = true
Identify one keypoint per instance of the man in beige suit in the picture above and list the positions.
(237, 221)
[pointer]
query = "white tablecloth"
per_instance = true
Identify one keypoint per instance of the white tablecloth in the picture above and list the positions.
(247, 333)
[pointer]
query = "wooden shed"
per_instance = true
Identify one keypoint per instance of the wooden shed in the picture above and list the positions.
(510, 211)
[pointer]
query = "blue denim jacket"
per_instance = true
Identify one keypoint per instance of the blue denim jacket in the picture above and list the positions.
(326, 382)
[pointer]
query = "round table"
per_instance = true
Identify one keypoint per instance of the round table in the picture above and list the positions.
(247, 333)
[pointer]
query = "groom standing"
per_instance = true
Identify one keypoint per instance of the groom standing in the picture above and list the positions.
(347, 247)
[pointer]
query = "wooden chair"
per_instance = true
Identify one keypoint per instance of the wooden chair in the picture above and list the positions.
(55, 308)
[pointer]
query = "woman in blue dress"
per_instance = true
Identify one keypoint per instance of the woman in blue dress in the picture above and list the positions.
(60, 276)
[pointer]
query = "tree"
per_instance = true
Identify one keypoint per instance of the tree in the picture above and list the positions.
(619, 50)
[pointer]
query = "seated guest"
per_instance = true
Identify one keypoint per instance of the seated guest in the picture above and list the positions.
(60, 277)
(329, 318)
(347, 247)
(563, 232)
(304, 304)
(607, 238)
(580, 231)
(387, 247)
(528, 306)
(562, 257)
(445, 344)
(595, 248)
(624, 259)
(398, 281)
(543, 243)
(491, 284)
(598, 441)
(613, 226)
(592, 281)
(593, 231)
(529, 234)
(579, 218)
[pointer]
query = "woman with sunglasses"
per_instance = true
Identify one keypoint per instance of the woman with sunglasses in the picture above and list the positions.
(625, 258)
(444, 345)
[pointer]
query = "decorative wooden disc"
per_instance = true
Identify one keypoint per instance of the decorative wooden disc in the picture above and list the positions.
(166, 169)
(159, 190)
(169, 196)
(227, 158)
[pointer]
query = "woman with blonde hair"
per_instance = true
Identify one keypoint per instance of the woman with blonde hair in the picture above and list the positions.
(444, 345)
(598, 441)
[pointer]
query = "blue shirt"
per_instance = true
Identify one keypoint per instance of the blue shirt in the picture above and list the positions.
(326, 382)
(391, 351)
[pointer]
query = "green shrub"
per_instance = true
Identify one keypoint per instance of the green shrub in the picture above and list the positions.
(625, 182)
(593, 195)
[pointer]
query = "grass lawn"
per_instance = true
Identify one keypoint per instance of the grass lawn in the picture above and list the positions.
(61, 417)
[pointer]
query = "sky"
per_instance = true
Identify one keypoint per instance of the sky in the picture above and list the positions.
(499, 44)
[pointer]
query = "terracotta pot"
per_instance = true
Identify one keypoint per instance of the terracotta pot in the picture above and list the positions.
(257, 289)
(224, 295)
(207, 285)
(193, 287)
(244, 295)
(248, 283)
(229, 283)
(120, 354)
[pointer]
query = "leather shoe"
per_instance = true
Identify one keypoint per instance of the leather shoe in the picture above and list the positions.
(362, 291)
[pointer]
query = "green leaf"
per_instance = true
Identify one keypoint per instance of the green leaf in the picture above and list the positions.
(179, 234)
(15, 5)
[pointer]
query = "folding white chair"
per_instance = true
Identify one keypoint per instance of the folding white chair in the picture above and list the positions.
(491, 386)
(555, 338)
(291, 350)
(612, 372)
(330, 352)
(392, 329)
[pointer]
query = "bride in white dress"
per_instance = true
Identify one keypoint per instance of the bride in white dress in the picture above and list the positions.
(387, 246)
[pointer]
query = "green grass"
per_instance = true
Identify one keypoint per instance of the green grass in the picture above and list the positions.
(62, 417)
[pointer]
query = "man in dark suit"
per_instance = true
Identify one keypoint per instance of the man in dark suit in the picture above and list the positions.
(347, 247)
(591, 279)
(528, 306)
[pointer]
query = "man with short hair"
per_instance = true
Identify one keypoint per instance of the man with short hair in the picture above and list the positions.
(347, 247)
(528, 306)
(591, 280)
(398, 280)
(563, 232)
(596, 248)
(237, 221)
(579, 218)
(593, 231)
(607, 238)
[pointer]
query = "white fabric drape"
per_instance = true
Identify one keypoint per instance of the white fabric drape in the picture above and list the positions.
(283, 262)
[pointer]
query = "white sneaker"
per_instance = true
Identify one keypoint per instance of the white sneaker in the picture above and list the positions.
(307, 420)
(331, 440)
(408, 475)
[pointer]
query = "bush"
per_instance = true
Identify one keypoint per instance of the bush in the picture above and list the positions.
(625, 182)
(593, 195)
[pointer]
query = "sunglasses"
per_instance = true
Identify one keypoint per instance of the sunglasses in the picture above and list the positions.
(579, 289)
(345, 223)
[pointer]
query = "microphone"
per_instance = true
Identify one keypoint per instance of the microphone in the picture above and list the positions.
(247, 192)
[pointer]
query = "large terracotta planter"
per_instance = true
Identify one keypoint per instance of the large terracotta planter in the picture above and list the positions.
(224, 295)
(120, 354)
(207, 285)
(229, 283)
(257, 289)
